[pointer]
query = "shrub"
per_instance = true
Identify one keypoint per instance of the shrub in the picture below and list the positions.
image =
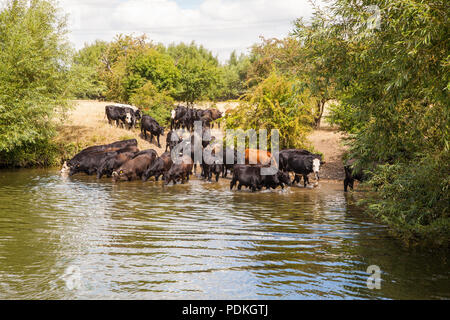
(275, 103)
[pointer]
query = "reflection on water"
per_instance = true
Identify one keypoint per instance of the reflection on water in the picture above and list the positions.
(65, 238)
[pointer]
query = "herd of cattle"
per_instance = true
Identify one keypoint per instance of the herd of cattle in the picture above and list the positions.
(122, 160)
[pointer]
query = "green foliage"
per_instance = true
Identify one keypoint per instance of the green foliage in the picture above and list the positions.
(85, 71)
(151, 65)
(414, 197)
(154, 103)
(393, 86)
(34, 80)
(276, 103)
(234, 77)
(199, 72)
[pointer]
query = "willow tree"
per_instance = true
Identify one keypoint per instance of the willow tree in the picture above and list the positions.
(393, 80)
(34, 79)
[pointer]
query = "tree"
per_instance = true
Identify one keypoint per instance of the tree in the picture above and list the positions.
(275, 103)
(393, 85)
(85, 69)
(234, 77)
(199, 72)
(34, 79)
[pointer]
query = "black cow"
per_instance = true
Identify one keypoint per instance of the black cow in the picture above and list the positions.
(246, 175)
(120, 114)
(177, 114)
(102, 148)
(151, 125)
(273, 181)
(150, 152)
(159, 167)
(83, 159)
(303, 165)
(172, 139)
(90, 162)
(351, 174)
(284, 156)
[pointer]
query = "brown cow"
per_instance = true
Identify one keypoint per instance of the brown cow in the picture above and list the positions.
(134, 168)
(255, 156)
(180, 170)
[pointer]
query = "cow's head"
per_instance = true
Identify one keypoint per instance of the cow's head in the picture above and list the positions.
(316, 167)
(283, 177)
(74, 169)
(65, 168)
(138, 114)
(119, 175)
(128, 118)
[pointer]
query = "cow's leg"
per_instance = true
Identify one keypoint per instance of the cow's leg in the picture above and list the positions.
(159, 146)
(346, 184)
(305, 180)
(232, 183)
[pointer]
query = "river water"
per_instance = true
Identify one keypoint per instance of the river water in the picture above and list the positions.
(79, 238)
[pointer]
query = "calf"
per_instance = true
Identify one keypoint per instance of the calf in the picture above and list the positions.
(210, 164)
(151, 125)
(179, 170)
(159, 167)
(273, 181)
(234, 159)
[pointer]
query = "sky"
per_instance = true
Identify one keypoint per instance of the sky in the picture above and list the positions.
(219, 25)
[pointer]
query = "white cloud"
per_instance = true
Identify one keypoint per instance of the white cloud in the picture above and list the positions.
(220, 25)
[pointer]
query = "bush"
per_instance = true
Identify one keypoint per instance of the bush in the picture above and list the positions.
(413, 198)
(275, 103)
(34, 80)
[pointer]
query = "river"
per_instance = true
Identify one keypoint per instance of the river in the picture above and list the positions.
(79, 238)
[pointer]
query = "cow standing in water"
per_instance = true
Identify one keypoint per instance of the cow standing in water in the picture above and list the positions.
(303, 165)
(352, 174)
(180, 170)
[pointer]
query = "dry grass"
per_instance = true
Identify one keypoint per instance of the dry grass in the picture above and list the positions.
(87, 126)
